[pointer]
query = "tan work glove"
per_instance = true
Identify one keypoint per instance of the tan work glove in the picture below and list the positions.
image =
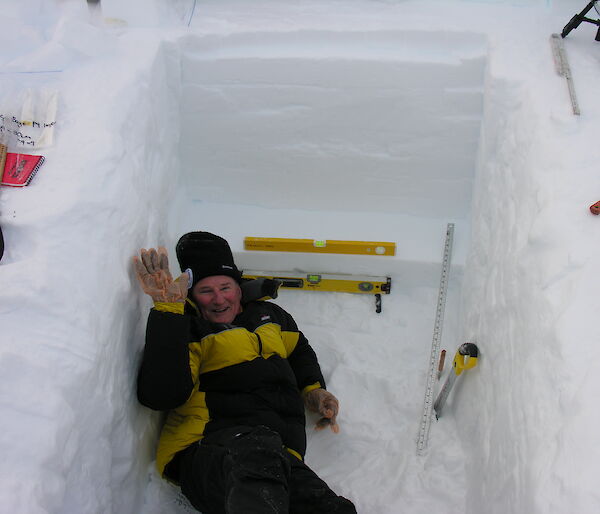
(153, 274)
(326, 405)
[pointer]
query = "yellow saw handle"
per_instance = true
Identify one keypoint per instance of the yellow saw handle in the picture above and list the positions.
(465, 358)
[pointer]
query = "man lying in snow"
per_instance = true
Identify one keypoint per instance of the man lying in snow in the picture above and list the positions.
(235, 376)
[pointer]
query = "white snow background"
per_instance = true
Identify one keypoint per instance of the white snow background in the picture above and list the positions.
(358, 120)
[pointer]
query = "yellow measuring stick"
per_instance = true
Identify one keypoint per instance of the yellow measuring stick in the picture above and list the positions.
(282, 244)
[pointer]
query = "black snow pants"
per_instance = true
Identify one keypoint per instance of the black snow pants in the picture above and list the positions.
(246, 470)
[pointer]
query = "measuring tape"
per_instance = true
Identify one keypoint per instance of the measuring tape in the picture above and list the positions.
(435, 345)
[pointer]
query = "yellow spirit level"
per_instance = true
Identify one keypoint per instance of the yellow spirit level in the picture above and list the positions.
(324, 282)
(360, 284)
(280, 244)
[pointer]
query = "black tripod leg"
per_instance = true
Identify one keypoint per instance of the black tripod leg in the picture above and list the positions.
(576, 20)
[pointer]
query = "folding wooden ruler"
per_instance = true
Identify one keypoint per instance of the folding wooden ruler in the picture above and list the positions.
(425, 424)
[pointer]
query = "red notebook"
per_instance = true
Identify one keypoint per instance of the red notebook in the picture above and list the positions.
(20, 168)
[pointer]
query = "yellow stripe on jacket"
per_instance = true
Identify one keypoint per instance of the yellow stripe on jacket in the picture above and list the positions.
(185, 425)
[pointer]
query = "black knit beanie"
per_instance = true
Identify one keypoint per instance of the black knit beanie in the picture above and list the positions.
(206, 254)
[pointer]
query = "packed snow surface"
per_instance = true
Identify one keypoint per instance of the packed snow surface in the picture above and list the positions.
(357, 120)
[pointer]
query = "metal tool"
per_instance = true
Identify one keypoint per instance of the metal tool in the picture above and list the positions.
(425, 424)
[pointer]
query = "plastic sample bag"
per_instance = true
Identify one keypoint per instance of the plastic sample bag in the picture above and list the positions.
(28, 118)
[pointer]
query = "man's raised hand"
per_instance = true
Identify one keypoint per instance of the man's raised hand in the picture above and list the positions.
(152, 270)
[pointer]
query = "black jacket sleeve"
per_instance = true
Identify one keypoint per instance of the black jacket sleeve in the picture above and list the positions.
(164, 378)
(305, 364)
(303, 359)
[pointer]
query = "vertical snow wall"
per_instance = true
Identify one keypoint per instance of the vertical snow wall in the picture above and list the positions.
(529, 276)
(505, 312)
(76, 439)
(333, 135)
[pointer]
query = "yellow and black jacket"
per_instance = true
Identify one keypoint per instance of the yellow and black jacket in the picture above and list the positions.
(212, 376)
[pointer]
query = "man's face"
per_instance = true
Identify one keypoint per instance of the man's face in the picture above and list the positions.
(219, 298)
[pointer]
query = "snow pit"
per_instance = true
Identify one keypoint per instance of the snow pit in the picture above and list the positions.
(358, 120)
(345, 135)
